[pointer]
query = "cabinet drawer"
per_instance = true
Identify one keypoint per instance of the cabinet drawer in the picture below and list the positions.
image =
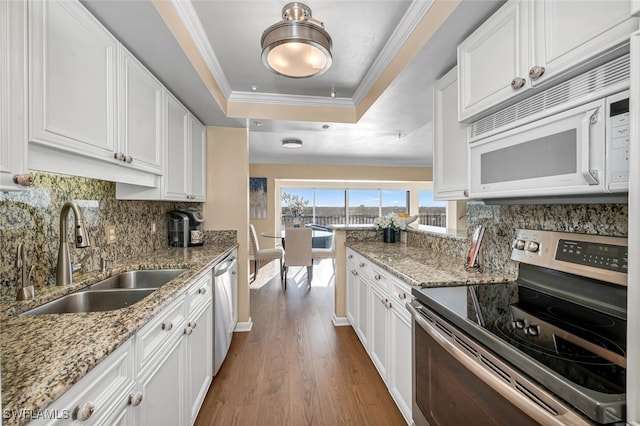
(379, 278)
(154, 338)
(400, 294)
(199, 293)
(96, 396)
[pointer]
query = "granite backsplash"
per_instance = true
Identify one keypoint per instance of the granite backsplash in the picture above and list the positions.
(501, 223)
(32, 217)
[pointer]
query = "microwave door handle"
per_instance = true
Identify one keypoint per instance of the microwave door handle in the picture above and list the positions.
(590, 118)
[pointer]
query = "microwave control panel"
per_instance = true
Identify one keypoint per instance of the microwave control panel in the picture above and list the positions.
(618, 120)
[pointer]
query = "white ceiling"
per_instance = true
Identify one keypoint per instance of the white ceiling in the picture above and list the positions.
(396, 129)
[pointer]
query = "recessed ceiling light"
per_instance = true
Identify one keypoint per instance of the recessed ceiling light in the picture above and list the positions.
(258, 123)
(291, 143)
(254, 87)
(332, 93)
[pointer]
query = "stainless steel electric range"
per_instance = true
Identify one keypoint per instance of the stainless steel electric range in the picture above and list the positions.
(546, 349)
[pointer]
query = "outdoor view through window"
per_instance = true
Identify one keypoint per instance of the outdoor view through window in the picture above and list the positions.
(355, 206)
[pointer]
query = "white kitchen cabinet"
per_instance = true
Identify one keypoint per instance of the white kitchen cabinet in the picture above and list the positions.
(379, 329)
(352, 289)
(450, 157)
(199, 361)
(491, 58)
(400, 379)
(74, 104)
(526, 44)
(635, 7)
(13, 106)
(362, 294)
(163, 389)
(141, 104)
(184, 151)
(99, 397)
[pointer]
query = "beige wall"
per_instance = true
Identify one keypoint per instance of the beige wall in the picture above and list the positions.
(276, 172)
(227, 205)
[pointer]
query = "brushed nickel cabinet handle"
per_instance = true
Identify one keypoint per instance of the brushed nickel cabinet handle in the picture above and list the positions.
(536, 72)
(168, 325)
(377, 277)
(23, 180)
(202, 290)
(135, 399)
(188, 331)
(83, 411)
(518, 83)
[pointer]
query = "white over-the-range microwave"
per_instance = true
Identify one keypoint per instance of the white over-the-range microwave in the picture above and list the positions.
(581, 151)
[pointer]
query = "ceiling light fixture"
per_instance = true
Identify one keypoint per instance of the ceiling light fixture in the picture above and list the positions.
(291, 143)
(298, 46)
(332, 93)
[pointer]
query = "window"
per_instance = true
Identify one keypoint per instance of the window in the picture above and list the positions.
(329, 207)
(432, 213)
(364, 206)
(394, 202)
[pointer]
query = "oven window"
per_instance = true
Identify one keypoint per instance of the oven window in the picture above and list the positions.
(448, 394)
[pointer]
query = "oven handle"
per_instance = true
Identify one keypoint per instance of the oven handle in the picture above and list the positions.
(590, 118)
(526, 402)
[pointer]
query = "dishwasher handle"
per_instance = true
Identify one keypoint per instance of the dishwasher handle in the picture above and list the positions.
(224, 266)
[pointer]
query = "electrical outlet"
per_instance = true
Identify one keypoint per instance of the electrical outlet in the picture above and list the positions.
(110, 231)
(153, 228)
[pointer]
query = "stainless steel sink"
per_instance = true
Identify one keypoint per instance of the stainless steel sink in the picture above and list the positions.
(154, 279)
(92, 301)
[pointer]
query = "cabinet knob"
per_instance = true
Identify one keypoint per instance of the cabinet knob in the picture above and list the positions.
(465, 192)
(202, 290)
(350, 256)
(354, 272)
(402, 295)
(192, 324)
(118, 156)
(536, 72)
(377, 277)
(135, 399)
(23, 180)
(362, 264)
(517, 83)
(83, 411)
(167, 325)
(188, 330)
(128, 159)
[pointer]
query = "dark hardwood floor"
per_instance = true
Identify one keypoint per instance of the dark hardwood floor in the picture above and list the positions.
(295, 367)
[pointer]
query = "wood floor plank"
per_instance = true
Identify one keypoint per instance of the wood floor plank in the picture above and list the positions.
(294, 367)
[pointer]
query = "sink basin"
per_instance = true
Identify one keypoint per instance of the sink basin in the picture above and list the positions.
(92, 301)
(153, 278)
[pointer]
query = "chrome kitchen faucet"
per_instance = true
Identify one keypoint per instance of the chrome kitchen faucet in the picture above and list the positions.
(64, 274)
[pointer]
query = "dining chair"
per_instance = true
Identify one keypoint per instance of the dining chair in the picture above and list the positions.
(325, 252)
(268, 254)
(298, 252)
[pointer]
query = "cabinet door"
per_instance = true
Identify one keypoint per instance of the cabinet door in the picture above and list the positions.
(162, 389)
(491, 58)
(379, 330)
(199, 345)
(400, 379)
(73, 66)
(175, 177)
(352, 293)
(197, 169)
(568, 33)
(450, 174)
(362, 322)
(635, 7)
(13, 113)
(140, 115)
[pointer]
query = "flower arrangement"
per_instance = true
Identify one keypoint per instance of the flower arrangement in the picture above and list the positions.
(392, 221)
(295, 203)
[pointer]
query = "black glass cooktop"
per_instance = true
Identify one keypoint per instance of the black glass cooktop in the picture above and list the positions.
(576, 352)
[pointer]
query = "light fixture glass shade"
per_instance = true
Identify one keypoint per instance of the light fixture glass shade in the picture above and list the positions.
(297, 47)
(292, 143)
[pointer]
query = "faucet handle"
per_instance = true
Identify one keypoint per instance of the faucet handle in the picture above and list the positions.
(20, 256)
(105, 264)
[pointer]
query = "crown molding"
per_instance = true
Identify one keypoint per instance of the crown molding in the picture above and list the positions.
(192, 23)
(291, 100)
(414, 14)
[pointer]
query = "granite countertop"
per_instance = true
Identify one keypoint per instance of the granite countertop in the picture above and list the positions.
(44, 355)
(421, 267)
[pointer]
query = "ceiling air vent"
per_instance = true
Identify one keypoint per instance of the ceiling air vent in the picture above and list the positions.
(571, 93)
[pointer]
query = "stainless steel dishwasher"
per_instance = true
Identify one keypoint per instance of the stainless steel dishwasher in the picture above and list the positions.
(225, 292)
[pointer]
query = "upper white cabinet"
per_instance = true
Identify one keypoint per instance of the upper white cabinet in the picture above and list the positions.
(13, 106)
(526, 44)
(635, 7)
(197, 168)
(141, 100)
(73, 72)
(450, 174)
(176, 179)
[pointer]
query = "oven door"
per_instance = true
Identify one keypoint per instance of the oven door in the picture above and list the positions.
(456, 381)
(558, 155)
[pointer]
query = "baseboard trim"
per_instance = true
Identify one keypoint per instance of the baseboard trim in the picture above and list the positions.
(339, 321)
(244, 326)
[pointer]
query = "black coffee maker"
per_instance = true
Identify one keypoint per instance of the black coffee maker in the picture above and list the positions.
(185, 228)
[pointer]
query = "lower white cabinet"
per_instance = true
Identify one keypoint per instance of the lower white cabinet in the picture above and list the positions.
(376, 310)
(159, 377)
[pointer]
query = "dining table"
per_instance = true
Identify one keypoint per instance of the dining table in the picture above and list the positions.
(318, 237)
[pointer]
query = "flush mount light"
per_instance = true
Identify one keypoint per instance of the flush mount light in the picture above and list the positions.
(291, 143)
(298, 46)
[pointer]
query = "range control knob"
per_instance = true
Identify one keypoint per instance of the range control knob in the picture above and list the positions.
(532, 330)
(518, 324)
(533, 246)
(518, 244)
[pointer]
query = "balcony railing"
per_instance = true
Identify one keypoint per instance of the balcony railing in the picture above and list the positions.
(423, 219)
